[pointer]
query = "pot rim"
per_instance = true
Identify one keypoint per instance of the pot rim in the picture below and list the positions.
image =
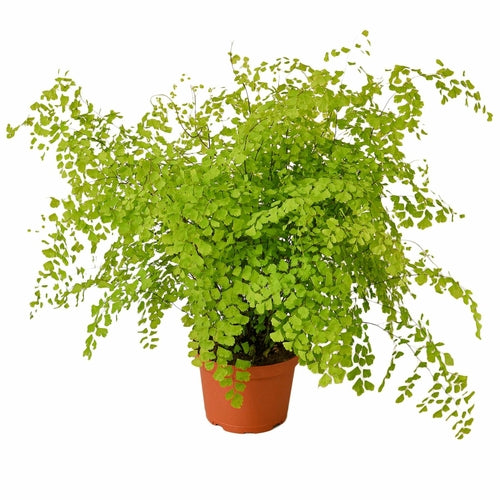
(266, 371)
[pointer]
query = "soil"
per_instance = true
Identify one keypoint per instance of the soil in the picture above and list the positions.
(277, 354)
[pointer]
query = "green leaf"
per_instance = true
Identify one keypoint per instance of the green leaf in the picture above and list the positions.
(424, 223)
(93, 173)
(242, 376)
(325, 380)
(456, 291)
(242, 364)
(101, 332)
(48, 266)
(303, 312)
(251, 231)
(445, 72)
(11, 131)
(237, 400)
(277, 336)
(353, 373)
(421, 278)
(291, 301)
(226, 382)
(197, 362)
(338, 374)
(54, 202)
(239, 386)
(49, 252)
(221, 373)
(448, 359)
(359, 387)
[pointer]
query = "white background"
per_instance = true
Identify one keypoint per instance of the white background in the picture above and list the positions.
(130, 424)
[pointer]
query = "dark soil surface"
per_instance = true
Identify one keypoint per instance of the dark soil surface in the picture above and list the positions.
(277, 354)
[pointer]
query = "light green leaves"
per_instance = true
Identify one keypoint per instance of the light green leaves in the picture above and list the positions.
(273, 209)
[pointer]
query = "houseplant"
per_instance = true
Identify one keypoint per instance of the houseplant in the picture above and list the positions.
(273, 212)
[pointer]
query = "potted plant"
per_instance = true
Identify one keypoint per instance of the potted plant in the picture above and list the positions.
(272, 211)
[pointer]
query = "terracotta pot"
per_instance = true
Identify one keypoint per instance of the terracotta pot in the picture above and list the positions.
(265, 399)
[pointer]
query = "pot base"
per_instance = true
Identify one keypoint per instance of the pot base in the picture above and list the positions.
(237, 429)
